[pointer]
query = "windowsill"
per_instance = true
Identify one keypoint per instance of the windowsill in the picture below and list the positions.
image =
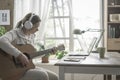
(38, 61)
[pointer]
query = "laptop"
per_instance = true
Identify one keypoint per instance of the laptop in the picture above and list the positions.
(85, 53)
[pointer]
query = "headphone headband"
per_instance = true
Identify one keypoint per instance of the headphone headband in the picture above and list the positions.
(31, 17)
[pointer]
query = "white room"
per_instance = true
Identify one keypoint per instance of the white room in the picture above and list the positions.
(83, 36)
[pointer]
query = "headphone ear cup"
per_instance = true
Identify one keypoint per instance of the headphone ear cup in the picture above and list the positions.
(28, 25)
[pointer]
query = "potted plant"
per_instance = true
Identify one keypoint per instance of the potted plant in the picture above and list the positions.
(2, 30)
(60, 54)
(45, 59)
(40, 47)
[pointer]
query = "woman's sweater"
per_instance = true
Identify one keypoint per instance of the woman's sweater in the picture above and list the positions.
(16, 36)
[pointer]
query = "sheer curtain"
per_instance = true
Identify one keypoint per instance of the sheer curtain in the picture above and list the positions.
(44, 14)
(39, 7)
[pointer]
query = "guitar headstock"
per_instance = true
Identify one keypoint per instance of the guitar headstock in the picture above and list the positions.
(60, 47)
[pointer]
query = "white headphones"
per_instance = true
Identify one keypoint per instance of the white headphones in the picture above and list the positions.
(28, 24)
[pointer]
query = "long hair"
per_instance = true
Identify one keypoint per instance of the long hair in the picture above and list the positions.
(35, 19)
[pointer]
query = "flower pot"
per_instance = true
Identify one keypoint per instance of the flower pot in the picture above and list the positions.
(45, 59)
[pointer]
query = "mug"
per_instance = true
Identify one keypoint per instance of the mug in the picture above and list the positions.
(101, 51)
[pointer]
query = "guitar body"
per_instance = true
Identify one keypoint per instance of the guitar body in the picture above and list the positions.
(8, 69)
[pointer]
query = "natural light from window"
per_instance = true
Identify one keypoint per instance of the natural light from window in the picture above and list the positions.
(85, 15)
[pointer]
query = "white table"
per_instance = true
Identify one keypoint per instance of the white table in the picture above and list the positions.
(110, 65)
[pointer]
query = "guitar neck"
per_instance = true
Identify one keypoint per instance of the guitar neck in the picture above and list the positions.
(40, 53)
(30, 51)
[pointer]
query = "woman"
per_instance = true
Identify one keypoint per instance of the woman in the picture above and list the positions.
(24, 34)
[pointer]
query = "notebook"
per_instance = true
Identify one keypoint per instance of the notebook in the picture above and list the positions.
(85, 53)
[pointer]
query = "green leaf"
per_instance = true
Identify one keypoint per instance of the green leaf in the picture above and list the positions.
(2, 30)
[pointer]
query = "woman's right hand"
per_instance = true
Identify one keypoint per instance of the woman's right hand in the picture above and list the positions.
(23, 59)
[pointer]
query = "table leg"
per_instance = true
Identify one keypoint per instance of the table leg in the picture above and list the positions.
(61, 73)
(117, 77)
(104, 77)
(110, 77)
(107, 77)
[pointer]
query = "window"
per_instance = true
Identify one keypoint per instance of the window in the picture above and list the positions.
(66, 15)
(58, 24)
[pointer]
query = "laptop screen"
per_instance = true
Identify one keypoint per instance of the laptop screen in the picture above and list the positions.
(86, 53)
(92, 44)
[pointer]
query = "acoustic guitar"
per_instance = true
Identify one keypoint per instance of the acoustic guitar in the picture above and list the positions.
(12, 69)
